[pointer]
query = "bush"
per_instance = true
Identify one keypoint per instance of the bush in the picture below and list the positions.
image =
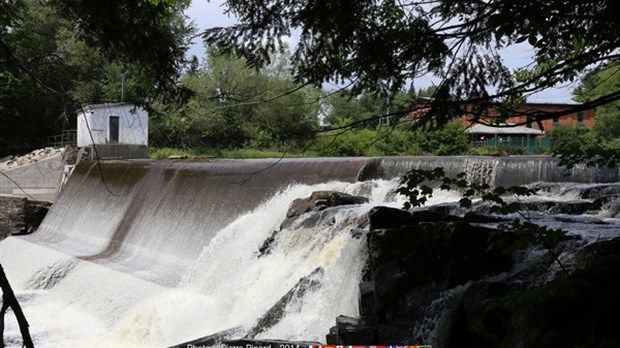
(569, 140)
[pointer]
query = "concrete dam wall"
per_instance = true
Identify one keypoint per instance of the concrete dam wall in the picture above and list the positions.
(157, 216)
(154, 253)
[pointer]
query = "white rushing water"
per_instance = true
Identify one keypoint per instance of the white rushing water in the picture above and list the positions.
(75, 303)
(70, 302)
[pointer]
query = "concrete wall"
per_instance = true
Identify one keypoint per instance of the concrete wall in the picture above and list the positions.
(117, 151)
(40, 179)
(133, 124)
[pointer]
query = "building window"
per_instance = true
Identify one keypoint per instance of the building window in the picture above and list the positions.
(580, 118)
(556, 121)
(529, 122)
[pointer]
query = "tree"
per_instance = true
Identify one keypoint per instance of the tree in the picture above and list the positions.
(602, 144)
(381, 45)
(235, 105)
(150, 33)
(49, 66)
(596, 84)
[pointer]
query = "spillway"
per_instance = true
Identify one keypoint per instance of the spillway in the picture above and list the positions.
(155, 253)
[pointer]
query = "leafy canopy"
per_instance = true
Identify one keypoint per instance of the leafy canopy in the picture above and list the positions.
(383, 44)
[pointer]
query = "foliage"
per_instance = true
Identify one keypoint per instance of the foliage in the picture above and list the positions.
(447, 140)
(392, 140)
(601, 146)
(416, 187)
(49, 68)
(151, 34)
(234, 105)
(382, 45)
(567, 139)
(166, 152)
(362, 109)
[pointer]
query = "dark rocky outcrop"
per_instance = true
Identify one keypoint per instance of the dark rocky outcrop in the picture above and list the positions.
(569, 311)
(412, 265)
(20, 215)
(321, 200)
(265, 248)
(436, 279)
(318, 201)
(563, 207)
(349, 329)
(220, 341)
(276, 313)
(212, 340)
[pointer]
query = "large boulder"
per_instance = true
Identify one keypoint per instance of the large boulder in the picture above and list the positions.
(349, 329)
(417, 259)
(319, 201)
(572, 310)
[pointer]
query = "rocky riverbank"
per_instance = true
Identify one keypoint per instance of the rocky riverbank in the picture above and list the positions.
(444, 281)
(20, 215)
(453, 281)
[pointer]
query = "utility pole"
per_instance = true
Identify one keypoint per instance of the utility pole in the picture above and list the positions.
(123, 86)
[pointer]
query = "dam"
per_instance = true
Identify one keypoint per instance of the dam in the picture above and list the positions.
(155, 253)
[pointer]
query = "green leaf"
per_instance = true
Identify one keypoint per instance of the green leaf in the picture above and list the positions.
(465, 202)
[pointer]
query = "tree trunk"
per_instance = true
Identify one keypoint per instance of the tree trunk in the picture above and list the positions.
(9, 300)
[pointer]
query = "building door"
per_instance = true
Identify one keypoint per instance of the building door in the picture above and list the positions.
(114, 129)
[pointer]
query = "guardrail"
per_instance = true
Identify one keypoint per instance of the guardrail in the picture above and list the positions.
(68, 137)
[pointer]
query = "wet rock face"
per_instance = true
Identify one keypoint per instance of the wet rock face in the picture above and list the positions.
(20, 215)
(570, 311)
(318, 201)
(436, 279)
(275, 314)
(410, 265)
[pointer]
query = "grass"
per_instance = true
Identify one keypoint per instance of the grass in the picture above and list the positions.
(166, 152)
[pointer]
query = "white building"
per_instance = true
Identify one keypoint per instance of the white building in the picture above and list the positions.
(113, 123)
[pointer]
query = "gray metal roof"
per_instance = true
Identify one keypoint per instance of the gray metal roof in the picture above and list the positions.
(505, 129)
(104, 105)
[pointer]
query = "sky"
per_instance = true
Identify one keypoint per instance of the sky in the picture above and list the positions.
(207, 14)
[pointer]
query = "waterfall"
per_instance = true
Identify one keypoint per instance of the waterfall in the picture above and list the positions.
(155, 253)
(501, 171)
(143, 292)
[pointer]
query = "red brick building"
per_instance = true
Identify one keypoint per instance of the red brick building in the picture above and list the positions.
(525, 115)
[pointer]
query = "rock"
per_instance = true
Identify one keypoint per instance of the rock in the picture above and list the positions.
(433, 216)
(386, 217)
(32, 157)
(277, 311)
(265, 248)
(563, 207)
(319, 201)
(298, 207)
(20, 215)
(410, 266)
(212, 340)
(570, 311)
(350, 331)
(225, 339)
(473, 217)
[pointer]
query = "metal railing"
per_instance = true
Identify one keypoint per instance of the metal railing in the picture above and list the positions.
(68, 137)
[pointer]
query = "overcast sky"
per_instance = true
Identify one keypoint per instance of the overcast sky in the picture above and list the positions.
(211, 14)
